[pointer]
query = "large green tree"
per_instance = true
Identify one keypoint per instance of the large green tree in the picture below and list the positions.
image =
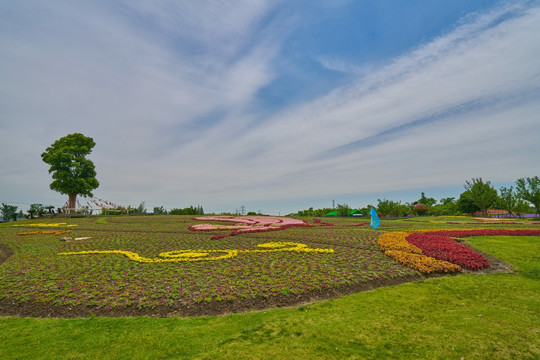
(73, 174)
(465, 204)
(481, 193)
(529, 189)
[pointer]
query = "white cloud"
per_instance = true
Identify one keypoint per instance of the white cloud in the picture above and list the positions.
(140, 77)
(477, 62)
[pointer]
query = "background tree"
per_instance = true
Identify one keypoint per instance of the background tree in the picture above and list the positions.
(141, 209)
(159, 210)
(343, 210)
(420, 209)
(522, 208)
(426, 200)
(364, 211)
(402, 210)
(387, 207)
(308, 212)
(73, 174)
(446, 206)
(9, 212)
(188, 211)
(482, 194)
(448, 200)
(35, 210)
(529, 189)
(465, 203)
(508, 200)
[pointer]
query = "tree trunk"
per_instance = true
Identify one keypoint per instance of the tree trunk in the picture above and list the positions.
(71, 203)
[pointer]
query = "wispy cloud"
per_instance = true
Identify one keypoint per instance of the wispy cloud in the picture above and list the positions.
(485, 67)
(169, 90)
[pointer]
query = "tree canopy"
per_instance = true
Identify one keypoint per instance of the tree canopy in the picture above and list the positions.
(529, 189)
(465, 203)
(426, 200)
(35, 209)
(508, 200)
(481, 193)
(73, 174)
(9, 212)
(420, 209)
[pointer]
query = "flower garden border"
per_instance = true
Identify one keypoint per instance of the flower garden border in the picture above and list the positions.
(433, 251)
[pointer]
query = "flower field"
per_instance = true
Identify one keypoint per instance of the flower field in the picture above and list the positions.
(179, 264)
(430, 251)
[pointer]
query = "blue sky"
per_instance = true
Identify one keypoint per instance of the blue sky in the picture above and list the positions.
(274, 105)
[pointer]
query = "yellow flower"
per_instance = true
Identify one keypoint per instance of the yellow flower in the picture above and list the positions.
(395, 245)
(63, 224)
(205, 255)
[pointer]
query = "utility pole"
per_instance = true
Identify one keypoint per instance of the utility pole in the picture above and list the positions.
(243, 210)
(333, 204)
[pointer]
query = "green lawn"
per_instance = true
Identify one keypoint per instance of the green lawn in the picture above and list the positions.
(470, 316)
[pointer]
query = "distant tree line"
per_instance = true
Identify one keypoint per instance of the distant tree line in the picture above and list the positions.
(192, 210)
(479, 197)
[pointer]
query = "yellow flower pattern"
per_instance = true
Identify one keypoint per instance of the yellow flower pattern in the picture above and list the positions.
(207, 255)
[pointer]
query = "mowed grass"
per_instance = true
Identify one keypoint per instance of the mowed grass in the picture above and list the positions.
(470, 316)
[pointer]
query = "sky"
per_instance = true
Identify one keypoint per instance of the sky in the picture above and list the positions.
(276, 106)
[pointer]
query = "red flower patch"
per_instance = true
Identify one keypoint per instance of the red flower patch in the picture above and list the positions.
(445, 248)
(488, 232)
(318, 221)
(244, 225)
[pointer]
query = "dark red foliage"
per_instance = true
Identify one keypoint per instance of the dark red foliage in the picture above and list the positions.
(318, 221)
(488, 232)
(445, 248)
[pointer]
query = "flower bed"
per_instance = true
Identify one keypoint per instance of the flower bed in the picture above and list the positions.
(397, 240)
(318, 221)
(244, 225)
(207, 255)
(459, 233)
(422, 263)
(147, 262)
(411, 247)
(156, 261)
(46, 225)
(445, 248)
(395, 245)
(46, 232)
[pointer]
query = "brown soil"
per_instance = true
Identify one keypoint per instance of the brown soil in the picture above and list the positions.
(5, 252)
